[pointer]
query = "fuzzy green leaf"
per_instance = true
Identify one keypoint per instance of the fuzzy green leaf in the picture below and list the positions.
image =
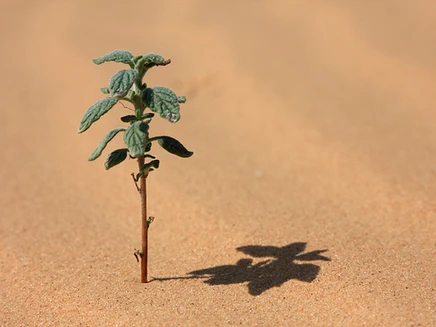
(147, 149)
(135, 138)
(109, 136)
(181, 99)
(150, 60)
(151, 164)
(153, 58)
(173, 146)
(117, 56)
(115, 157)
(122, 81)
(105, 90)
(94, 112)
(128, 118)
(163, 101)
(135, 59)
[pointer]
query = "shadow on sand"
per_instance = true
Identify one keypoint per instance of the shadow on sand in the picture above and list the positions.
(278, 268)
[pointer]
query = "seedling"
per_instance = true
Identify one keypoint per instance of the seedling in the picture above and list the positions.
(127, 85)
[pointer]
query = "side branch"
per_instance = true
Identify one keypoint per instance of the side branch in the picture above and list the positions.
(136, 183)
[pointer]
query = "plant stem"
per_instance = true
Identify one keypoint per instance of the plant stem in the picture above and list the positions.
(144, 228)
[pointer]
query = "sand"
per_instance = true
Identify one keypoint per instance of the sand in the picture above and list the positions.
(309, 201)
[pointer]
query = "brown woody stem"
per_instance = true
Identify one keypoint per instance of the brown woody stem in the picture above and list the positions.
(144, 227)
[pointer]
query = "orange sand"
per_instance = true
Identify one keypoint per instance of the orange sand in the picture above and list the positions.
(314, 128)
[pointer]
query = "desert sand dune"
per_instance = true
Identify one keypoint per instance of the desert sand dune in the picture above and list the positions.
(309, 201)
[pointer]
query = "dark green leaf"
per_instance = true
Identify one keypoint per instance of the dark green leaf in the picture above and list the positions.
(181, 99)
(149, 156)
(173, 146)
(163, 101)
(148, 115)
(117, 56)
(94, 112)
(148, 147)
(151, 164)
(109, 136)
(144, 127)
(135, 138)
(138, 176)
(128, 118)
(115, 157)
(122, 81)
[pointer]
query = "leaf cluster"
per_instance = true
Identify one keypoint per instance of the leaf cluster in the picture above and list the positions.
(127, 85)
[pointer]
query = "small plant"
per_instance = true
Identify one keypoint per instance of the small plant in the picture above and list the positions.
(127, 85)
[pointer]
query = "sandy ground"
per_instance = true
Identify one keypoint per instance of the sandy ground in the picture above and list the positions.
(310, 200)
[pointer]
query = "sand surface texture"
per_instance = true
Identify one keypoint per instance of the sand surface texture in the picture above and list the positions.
(309, 201)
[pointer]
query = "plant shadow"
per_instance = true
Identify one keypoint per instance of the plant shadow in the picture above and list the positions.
(278, 268)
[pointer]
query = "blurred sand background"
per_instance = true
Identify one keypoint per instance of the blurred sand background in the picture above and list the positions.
(313, 125)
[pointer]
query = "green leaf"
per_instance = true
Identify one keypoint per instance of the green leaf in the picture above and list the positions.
(135, 138)
(163, 101)
(122, 81)
(117, 56)
(109, 136)
(181, 99)
(94, 112)
(105, 90)
(144, 127)
(148, 115)
(149, 156)
(151, 164)
(115, 157)
(153, 58)
(150, 60)
(128, 118)
(173, 146)
(135, 59)
(147, 149)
